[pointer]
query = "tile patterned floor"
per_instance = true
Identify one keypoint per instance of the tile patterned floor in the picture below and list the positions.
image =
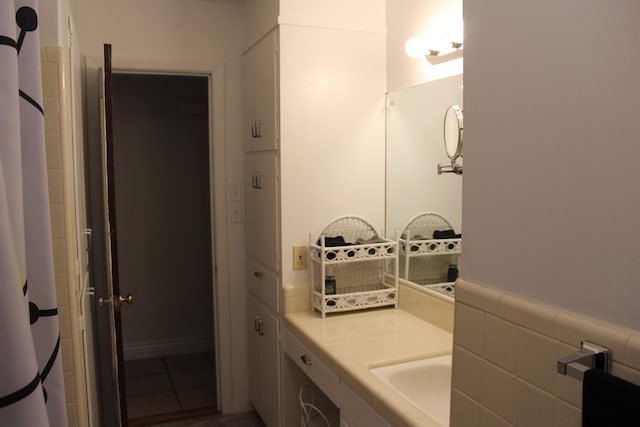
(249, 419)
(170, 384)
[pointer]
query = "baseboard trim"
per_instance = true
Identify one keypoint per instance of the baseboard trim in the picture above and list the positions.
(158, 348)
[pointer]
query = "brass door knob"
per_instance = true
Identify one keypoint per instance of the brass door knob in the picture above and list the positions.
(128, 299)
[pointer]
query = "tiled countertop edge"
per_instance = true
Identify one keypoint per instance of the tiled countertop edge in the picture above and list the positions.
(354, 372)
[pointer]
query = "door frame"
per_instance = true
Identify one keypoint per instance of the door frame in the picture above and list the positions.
(218, 220)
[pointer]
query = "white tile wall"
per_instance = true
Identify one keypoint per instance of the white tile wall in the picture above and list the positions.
(505, 354)
(296, 298)
(61, 198)
(432, 308)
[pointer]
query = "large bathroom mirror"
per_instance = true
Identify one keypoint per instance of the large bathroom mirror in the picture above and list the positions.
(423, 207)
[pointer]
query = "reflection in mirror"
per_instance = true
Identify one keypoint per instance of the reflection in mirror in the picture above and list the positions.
(429, 252)
(452, 135)
(414, 188)
(453, 132)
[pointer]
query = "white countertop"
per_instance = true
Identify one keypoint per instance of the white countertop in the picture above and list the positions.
(352, 343)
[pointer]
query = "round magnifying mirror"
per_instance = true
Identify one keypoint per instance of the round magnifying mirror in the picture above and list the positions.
(453, 130)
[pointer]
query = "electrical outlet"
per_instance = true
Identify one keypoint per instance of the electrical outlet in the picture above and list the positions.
(300, 257)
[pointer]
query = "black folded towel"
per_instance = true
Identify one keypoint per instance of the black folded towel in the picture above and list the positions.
(609, 401)
(445, 234)
(333, 241)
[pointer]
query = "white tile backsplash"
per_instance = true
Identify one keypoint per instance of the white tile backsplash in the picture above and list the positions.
(567, 415)
(501, 342)
(498, 388)
(536, 359)
(472, 337)
(505, 358)
(533, 407)
(55, 88)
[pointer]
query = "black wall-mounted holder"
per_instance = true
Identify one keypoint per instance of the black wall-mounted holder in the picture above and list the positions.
(590, 356)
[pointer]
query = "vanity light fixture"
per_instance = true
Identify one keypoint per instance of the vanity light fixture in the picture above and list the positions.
(417, 47)
(437, 56)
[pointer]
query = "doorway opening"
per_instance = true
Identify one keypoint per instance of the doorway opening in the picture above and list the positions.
(162, 176)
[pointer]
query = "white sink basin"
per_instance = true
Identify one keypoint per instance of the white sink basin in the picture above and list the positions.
(426, 383)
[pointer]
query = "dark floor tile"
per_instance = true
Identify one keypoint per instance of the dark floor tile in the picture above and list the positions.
(152, 404)
(249, 419)
(193, 378)
(138, 367)
(187, 362)
(158, 386)
(148, 384)
(196, 398)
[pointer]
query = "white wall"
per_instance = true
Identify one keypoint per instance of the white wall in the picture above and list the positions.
(428, 18)
(52, 22)
(199, 36)
(354, 15)
(332, 114)
(551, 208)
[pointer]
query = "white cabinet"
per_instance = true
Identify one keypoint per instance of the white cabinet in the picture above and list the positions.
(262, 228)
(264, 366)
(262, 221)
(260, 95)
(264, 342)
(311, 365)
(322, 96)
(263, 285)
(355, 412)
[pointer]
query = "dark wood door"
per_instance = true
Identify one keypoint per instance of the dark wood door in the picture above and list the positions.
(115, 299)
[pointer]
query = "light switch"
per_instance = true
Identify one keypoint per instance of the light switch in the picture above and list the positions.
(235, 194)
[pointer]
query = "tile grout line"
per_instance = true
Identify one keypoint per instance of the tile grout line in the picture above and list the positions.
(173, 386)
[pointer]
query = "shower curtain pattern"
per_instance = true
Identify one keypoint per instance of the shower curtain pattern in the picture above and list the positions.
(31, 378)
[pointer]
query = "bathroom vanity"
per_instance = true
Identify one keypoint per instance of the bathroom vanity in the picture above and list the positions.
(335, 356)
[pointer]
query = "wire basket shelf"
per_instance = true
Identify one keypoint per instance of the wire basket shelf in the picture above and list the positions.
(352, 254)
(424, 260)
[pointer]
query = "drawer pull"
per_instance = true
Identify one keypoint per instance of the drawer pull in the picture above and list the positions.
(306, 360)
(256, 181)
(258, 274)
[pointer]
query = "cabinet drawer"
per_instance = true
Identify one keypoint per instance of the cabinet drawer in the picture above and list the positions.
(264, 285)
(309, 363)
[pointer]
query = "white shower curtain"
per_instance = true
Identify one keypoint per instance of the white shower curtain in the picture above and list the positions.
(31, 381)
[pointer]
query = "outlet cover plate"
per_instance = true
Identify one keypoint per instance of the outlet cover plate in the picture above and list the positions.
(300, 256)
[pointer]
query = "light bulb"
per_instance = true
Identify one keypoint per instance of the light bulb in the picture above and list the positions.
(415, 47)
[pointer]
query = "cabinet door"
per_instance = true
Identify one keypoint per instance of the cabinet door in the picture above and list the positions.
(259, 95)
(255, 379)
(355, 412)
(262, 220)
(264, 362)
